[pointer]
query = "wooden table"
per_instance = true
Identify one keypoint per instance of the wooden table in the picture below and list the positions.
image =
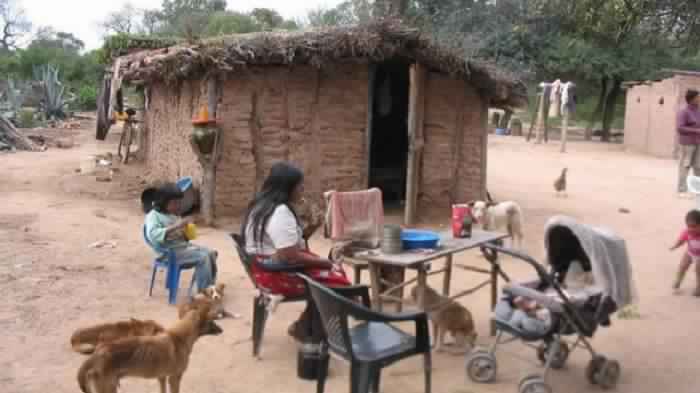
(421, 262)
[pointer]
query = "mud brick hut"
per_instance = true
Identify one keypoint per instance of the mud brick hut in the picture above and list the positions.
(651, 110)
(355, 107)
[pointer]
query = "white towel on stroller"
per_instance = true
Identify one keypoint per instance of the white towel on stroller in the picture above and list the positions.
(607, 253)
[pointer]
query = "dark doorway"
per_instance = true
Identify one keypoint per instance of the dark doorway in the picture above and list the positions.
(389, 130)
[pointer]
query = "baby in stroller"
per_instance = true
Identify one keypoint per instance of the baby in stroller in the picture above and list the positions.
(552, 307)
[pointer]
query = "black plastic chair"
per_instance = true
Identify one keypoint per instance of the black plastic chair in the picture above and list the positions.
(263, 298)
(370, 345)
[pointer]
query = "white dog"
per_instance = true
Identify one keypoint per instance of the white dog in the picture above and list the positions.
(501, 216)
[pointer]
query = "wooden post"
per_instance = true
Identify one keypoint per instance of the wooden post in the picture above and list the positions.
(564, 130)
(458, 144)
(416, 109)
(209, 162)
(541, 122)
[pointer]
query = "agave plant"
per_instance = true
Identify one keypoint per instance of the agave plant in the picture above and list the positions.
(16, 92)
(53, 102)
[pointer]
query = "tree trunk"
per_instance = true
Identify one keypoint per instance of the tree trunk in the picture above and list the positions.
(10, 136)
(609, 111)
(588, 135)
(209, 162)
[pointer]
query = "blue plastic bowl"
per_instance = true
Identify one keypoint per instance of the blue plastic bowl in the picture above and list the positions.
(412, 239)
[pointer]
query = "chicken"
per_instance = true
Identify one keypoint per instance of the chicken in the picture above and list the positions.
(560, 183)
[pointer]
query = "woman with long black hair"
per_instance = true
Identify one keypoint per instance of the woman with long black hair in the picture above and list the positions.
(273, 234)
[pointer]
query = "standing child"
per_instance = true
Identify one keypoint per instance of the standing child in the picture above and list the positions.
(691, 237)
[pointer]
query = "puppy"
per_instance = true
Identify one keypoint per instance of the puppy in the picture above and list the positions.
(501, 216)
(213, 295)
(87, 339)
(164, 356)
(446, 316)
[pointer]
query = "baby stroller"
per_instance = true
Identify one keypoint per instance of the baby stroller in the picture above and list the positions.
(561, 312)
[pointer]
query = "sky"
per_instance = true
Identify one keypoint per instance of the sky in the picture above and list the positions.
(81, 17)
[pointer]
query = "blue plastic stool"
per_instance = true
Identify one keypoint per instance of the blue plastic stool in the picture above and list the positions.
(166, 260)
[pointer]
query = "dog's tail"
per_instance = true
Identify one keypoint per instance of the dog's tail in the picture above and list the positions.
(85, 373)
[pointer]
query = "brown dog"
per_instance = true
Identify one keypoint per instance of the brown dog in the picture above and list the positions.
(446, 316)
(86, 340)
(213, 295)
(163, 357)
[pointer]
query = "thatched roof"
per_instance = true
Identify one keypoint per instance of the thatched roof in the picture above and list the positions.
(366, 43)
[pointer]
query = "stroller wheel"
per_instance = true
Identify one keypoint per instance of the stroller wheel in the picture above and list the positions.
(560, 357)
(533, 384)
(593, 368)
(609, 374)
(481, 367)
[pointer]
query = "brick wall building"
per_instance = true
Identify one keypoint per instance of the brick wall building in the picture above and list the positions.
(326, 118)
(650, 113)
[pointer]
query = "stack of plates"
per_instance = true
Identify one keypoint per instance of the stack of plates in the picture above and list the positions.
(391, 241)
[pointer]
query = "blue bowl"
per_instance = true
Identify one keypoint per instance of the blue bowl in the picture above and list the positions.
(412, 239)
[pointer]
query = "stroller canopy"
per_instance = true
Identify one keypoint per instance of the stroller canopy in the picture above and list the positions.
(596, 249)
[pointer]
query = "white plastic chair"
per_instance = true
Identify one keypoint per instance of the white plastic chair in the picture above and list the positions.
(694, 187)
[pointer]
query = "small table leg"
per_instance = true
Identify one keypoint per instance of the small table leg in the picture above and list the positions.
(375, 286)
(447, 278)
(494, 289)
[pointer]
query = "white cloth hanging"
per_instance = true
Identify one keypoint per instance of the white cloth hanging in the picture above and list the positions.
(555, 99)
(568, 97)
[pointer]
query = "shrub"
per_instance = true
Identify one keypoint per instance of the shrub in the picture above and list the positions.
(25, 119)
(87, 97)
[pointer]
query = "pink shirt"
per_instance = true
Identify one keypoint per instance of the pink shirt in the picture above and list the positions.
(693, 240)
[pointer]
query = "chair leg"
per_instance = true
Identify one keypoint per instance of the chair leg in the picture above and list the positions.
(359, 378)
(376, 380)
(322, 369)
(189, 291)
(174, 285)
(153, 280)
(259, 320)
(428, 366)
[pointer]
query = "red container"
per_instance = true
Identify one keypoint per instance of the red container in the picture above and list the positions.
(459, 211)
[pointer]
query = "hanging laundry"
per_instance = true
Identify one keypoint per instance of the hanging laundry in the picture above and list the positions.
(355, 215)
(568, 98)
(555, 99)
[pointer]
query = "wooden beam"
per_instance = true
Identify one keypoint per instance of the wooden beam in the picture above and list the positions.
(371, 77)
(458, 143)
(416, 112)
(484, 122)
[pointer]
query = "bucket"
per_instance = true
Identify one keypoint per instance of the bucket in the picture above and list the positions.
(308, 361)
(391, 241)
(459, 211)
(191, 231)
(88, 164)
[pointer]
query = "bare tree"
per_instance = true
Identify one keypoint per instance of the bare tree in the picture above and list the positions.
(13, 24)
(125, 21)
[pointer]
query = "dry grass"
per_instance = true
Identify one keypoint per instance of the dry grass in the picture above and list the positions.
(376, 42)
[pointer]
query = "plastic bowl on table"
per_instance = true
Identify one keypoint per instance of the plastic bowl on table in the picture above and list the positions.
(413, 239)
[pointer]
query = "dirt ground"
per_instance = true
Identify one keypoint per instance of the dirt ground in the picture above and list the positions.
(51, 282)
